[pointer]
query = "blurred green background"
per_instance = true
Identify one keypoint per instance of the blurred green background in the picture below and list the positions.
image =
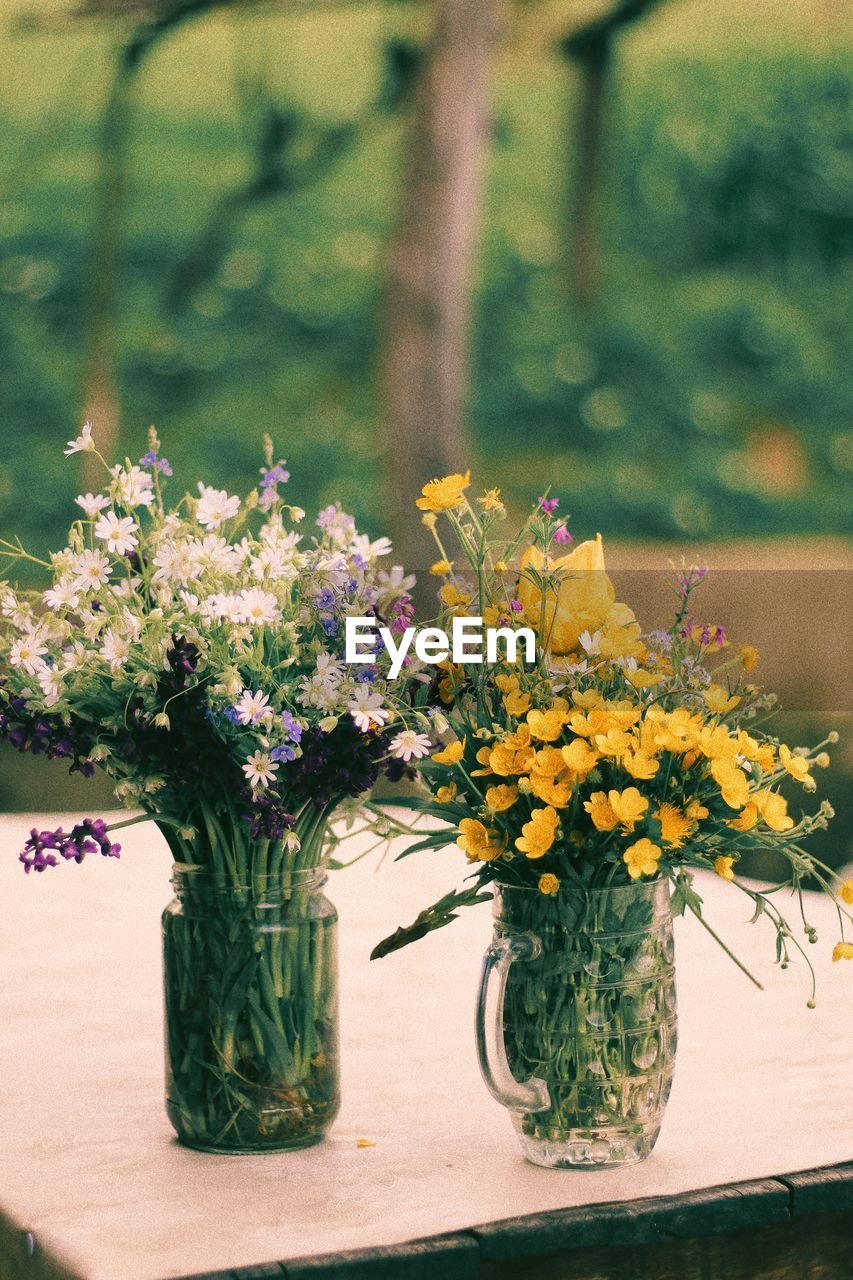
(703, 393)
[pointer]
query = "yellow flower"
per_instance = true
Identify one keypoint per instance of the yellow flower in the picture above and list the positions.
(501, 797)
(501, 566)
(746, 819)
(441, 568)
(845, 892)
(615, 742)
(773, 809)
(430, 519)
(478, 842)
(549, 884)
(444, 494)
(641, 679)
(552, 789)
(538, 834)
(640, 765)
(748, 656)
(600, 811)
(843, 951)
(718, 699)
(797, 766)
(733, 785)
(547, 725)
(452, 597)
(674, 825)
(762, 753)
(491, 500)
(628, 805)
(451, 754)
(516, 702)
(723, 867)
(583, 598)
(445, 795)
(695, 811)
(579, 758)
(588, 700)
(641, 858)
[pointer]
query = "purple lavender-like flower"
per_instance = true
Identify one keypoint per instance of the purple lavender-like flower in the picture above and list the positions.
(88, 836)
(516, 606)
(548, 505)
(687, 581)
(562, 535)
(151, 460)
(720, 635)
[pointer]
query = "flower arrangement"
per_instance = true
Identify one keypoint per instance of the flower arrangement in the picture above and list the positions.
(617, 756)
(616, 759)
(195, 655)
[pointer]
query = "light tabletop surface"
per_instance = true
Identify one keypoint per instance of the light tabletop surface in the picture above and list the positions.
(90, 1166)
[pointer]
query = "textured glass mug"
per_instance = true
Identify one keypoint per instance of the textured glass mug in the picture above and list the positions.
(576, 1020)
(251, 991)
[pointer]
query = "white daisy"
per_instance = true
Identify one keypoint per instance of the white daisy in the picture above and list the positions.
(215, 506)
(367, 710)
(260, 769)
(62, 595)
(258, 607)
(83, 444)
(590, 643)
(28, 652)
(252, 707)
(117, 532)
(115, 650)
(92, 503)
(132, 487)
(91, 570)
(410, 745)
(51, 685)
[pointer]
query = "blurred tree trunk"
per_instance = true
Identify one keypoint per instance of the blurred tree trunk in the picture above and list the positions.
(591, 50)
(425, 356)
(101, 401)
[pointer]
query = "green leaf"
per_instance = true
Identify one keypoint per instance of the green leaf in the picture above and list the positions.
(434, 917)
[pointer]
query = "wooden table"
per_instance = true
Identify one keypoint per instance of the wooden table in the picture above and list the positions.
(752, 1176)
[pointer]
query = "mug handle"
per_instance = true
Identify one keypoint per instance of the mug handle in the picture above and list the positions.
(532, 1095)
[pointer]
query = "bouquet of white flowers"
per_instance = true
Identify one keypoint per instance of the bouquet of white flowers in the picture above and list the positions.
(196, 656)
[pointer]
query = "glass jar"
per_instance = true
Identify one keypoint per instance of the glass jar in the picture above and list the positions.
(251, 1010)
(576, 1022)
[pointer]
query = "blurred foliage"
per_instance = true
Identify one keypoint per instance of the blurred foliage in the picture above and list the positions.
(708, 397)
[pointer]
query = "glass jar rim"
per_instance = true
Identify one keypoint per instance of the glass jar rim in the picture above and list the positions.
(186, 875)
(503, 887)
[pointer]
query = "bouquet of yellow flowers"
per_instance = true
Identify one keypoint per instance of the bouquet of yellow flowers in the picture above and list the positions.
(583, 787)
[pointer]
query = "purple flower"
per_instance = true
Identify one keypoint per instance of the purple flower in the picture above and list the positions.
(548, 505)
(720, 635)
(274, 476)
(366, 675)
(327, 516)
(150, 459)
(330, 626)
(516, 606)
(358, 561)
(325, 599)
(87, 836)
(232, 715)
(561, 534)
(283, 752)
(291, 728)
(687, 581)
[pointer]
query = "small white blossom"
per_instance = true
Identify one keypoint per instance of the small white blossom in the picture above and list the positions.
(132, 487)
(260, 769)
(115, 650)
(63, 595)
(91, 570)
(252, 707)
(118, 532)
(83, 444)
(367, 710)
(28, 652)
(410, 745)
(215, 507)
(258, 607)
(92, 503)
